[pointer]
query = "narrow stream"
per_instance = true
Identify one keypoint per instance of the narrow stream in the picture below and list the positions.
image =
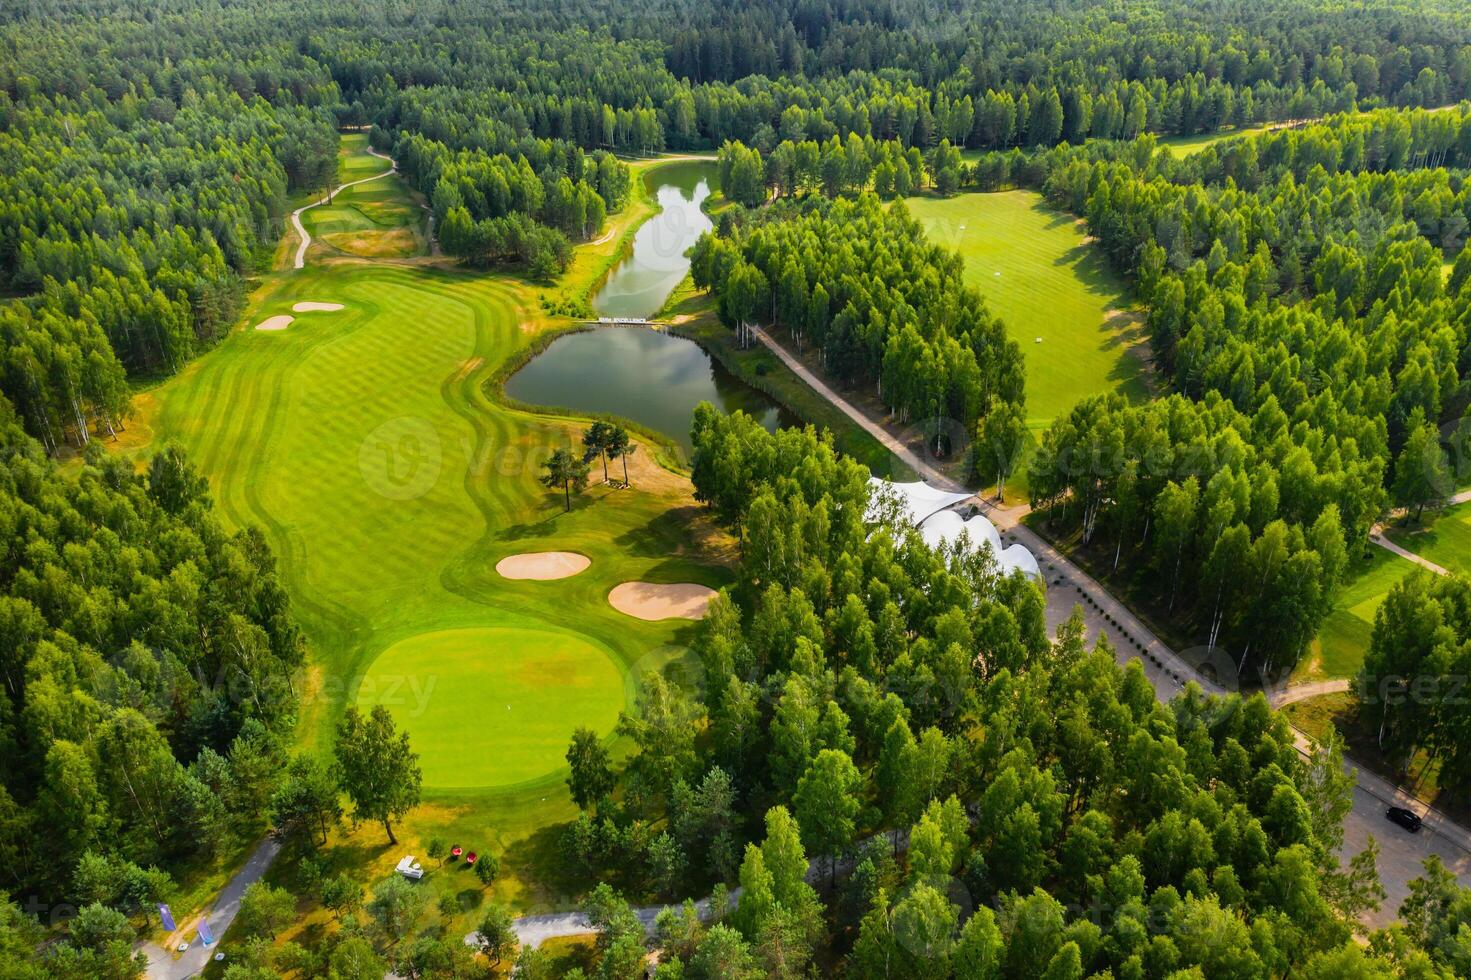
(642, 282)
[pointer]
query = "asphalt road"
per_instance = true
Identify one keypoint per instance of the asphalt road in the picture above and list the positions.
(163, 964)
(1402, 854)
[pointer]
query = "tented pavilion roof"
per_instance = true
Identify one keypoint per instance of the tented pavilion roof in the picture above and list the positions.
(927, 509)
(918, 500)
(946, 527)
(1018, 558)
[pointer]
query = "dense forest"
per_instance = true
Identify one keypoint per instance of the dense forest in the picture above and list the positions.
(859, 686)
(141, 189)
(985, 800)
(148, 658)
(1297, 302)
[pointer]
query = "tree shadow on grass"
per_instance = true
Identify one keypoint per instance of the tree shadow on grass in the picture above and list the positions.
(470, 899)
(667, 534)
(546, 524)
(545, 862)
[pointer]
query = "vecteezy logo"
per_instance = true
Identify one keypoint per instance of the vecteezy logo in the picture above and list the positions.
(400, 459)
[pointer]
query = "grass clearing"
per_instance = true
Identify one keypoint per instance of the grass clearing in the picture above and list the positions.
(1184, 146)
(1338, 651)
(1039, 273)
(1446, 541)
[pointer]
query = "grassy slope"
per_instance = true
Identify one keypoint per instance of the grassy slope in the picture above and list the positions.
(1038, 273)
(1446, 541)
(1339, 648)
(1184, 146)
(377, 219)
(390, 482)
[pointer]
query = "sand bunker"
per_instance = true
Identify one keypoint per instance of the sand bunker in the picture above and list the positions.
(543, 566)
(316, 307)
(275, 323)
(648, 600)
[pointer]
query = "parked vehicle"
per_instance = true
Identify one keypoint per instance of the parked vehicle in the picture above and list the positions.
(1408, 819)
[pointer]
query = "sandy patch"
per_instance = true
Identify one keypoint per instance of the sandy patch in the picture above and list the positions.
(316, 307)
(648, 600)
(275, 322)
(542, 566)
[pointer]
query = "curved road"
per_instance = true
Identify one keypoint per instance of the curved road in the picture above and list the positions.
(1401, 854)
(306, 239)
(1377, 536)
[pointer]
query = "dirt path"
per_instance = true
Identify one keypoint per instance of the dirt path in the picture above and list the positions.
(930, 474)
(305, 240)
(1282, 696)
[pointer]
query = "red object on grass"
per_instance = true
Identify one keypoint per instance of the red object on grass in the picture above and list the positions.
(455, 851)
(470, 858)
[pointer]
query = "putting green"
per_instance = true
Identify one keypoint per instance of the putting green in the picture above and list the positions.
(493, 706)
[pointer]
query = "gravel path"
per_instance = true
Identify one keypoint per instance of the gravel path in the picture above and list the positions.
(306, 239)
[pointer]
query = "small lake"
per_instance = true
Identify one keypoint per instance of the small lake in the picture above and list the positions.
(639, 285)
(638, 373)
(654, 378)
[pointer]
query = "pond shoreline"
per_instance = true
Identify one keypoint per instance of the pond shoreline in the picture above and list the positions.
(651, 376)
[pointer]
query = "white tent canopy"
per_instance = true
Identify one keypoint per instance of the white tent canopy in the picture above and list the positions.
(1016, 557)
(917, 500)
(947, 527)
(927, 508)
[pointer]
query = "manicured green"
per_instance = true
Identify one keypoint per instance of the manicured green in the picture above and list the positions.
(1039, 274)
(494, 706)
(1445, 539)
(389, 482)
(1339, 648)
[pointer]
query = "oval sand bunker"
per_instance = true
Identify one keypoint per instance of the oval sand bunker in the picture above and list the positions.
(275, 323)
(543, 566)
(651, 600)
(316, 307)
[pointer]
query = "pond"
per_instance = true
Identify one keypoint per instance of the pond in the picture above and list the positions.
(640, 284)
(654, 378)
(638, 373)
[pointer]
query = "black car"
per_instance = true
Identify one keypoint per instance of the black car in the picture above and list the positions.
(1408, 819)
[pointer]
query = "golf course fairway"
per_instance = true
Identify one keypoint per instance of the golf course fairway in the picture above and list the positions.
(370, 446)
(1042, 276)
